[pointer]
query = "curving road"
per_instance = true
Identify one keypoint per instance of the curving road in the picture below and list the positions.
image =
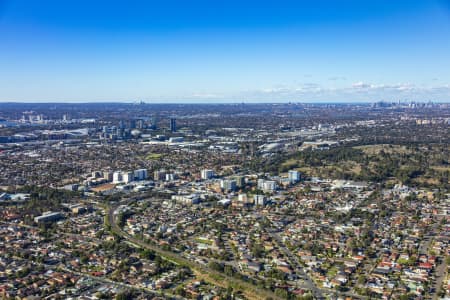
(317, 292)
(222, 279)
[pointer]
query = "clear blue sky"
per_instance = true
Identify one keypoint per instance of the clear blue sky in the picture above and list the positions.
(317, 50)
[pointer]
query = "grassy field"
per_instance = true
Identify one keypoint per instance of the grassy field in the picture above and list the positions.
(425, 165)
(153, 156)
(204, 241)
(441, 168)
(387, 148)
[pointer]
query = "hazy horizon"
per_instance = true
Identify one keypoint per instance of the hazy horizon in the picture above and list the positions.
(137, 102)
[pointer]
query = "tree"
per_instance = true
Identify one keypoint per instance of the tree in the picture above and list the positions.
(228, 270)
(147, 254)
(125, 295)
(215, 266)
(101, 295)
(180, 291)
(282, 293)
(257, 250)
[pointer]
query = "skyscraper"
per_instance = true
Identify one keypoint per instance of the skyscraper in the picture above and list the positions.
(294, 176)
(173, 125)
(117, 177)
(127, 177)
(140, 174)
(140, 124)
(228, 185)
(154, 122)
(240, 181)
(207, 174)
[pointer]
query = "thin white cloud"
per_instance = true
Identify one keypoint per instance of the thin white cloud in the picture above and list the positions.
(358, 91)
(206, 96)
(310, 91)
(361, 85)
(336, 78)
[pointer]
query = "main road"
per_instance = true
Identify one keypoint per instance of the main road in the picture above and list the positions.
(298, 267)
(213, 276)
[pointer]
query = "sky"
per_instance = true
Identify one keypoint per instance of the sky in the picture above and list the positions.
(224, 51)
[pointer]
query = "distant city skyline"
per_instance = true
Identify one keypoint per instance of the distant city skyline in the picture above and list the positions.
(230, 51)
